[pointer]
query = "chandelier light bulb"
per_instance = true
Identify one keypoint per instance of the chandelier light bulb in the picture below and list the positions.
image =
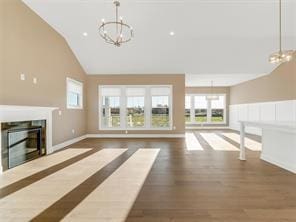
(132, 33)
(281, 56)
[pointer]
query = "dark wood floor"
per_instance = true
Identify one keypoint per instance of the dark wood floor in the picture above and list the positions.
(207, 185)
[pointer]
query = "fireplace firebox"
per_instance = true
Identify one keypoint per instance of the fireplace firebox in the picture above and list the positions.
(22, 141)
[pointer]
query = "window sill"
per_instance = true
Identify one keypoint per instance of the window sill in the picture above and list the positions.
(70, 107)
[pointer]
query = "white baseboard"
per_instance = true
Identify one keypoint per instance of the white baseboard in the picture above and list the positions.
(206, 127)
(278, 164)
(135, 135)
(67, 143)
(77, 139)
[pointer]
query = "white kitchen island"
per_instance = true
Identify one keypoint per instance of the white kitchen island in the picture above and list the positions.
(278, 142)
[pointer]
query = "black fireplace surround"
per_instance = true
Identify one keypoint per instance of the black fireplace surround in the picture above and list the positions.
(22, 141)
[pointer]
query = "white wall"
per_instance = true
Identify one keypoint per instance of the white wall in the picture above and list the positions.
(267, 111)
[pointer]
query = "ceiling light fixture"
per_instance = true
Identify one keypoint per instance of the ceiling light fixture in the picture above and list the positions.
(85, 34)
(116, 32)
(212, 96)
(172, 33)
(281, 56)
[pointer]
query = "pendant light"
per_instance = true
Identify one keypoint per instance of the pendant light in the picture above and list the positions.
(281, 56)
(212, 96)
(116, 32)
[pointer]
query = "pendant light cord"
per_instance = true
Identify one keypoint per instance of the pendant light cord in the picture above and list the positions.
(212, 87)
(116, 18)
(280, 21)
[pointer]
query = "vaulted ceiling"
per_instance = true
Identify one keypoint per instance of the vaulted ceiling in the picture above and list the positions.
(227, 41)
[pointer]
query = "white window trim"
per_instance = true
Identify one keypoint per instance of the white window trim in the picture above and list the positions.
(209, 108)
(80, 96)
(147, 108)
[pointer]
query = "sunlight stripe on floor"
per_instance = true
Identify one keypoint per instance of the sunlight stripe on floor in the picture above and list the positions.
(25, 204)
(217, 143)
(113, 199)
(192, 142)
(249, 143)
(35, 166)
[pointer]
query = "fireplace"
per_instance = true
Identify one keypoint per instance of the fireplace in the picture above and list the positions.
(25, 134)
(22, 141)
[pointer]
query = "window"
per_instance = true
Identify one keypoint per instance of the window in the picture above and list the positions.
(160, 97)
(135, 112)
(74, 94)
(217, 107)
(135, 107)
(160, 111)
(111, 111)
(200, 110)
(111, 107)
(187, 109)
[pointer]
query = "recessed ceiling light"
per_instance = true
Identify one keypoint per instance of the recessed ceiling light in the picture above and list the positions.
(85, 34)
(172, 33)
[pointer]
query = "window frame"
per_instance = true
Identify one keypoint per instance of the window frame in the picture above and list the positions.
(147, 107)
(190, 109)
(209, 110)
(80, 94)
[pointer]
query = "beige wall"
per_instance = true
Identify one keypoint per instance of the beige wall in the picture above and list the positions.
(32, 47)
(279, 85)
(207, 90)
(178, 82)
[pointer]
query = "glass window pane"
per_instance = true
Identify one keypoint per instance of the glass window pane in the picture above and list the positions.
(187, 108)
(111, 111)
(219, 103)
(135, 111)
(160, 111)
(200, 109)
(217, 114)
(74, 94)
(73, 99)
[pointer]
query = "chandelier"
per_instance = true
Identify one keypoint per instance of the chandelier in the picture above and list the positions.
(281, 56)
(212, 96)
(116, 32)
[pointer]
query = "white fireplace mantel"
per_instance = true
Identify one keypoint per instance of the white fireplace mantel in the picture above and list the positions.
(9, 113)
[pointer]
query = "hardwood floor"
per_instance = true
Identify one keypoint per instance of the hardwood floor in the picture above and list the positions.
(208, 185)
(187, 183)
